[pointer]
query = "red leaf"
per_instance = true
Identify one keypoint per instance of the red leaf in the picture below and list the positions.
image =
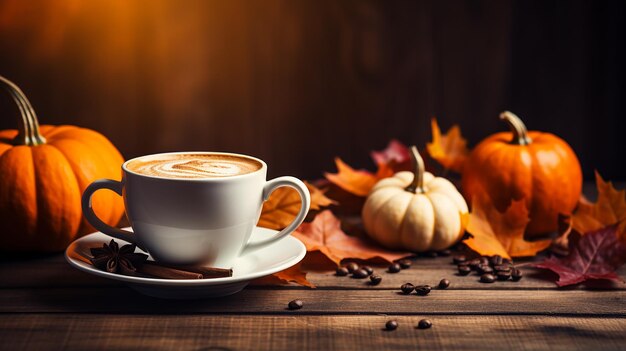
(595, 255)
(395, 152)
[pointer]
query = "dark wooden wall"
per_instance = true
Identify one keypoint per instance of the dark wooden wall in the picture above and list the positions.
(299, 82)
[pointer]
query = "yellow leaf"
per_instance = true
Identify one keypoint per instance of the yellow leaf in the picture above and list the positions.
(496, 233)
(450, 150)
(284, 204)
(610, 208)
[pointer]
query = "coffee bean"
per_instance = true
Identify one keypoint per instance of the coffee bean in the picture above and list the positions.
(459, 259)
(503, 275)
(391, 325)
(507, 261)
(495, 260)
(444, 284)
(404, 264)
(502, 268)
(375, 279)
(430, 254)
(394, 268)
(341, 272)
(516, 274)
(444, 253)
(484, 260)
(474, 263)
(407, 288)
(424, 324)
(368, 269)
(295, 304)
(464, 270)
(352, 267)
(482, 269)
(360, 274)
(487, 278)
(422, 290)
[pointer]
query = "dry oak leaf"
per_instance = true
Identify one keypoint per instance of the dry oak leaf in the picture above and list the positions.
(595, 255)
(496, 233)
(284, 204)
(324, 234)
(610, 208)
(293, 274)
(357, 182)
(450, 150)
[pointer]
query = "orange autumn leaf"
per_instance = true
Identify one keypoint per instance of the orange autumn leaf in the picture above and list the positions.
(357, 182)
(284, 204)
(496, 233)
(609, 209)
(450, 150)
(324, 234)
(293, 274)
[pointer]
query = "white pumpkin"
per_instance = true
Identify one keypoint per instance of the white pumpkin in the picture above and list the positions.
(415, 211)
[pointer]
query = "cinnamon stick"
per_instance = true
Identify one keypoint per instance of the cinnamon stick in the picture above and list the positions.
(206, 272)
(160, 271)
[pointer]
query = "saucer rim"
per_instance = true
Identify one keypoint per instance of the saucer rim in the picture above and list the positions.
(188, 282)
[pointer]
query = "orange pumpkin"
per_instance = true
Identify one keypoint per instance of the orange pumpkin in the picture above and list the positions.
(43, 172)
(538, 167)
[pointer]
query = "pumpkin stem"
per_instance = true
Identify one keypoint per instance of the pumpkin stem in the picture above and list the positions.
(417, 185)
(27, 126)
(520, 133)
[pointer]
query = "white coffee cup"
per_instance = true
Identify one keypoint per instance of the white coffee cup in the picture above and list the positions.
(194, 221)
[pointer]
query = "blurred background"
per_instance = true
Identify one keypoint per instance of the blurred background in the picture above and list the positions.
(300, 82)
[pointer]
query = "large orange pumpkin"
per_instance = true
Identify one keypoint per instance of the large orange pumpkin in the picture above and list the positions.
(43, 172)
(538, 167)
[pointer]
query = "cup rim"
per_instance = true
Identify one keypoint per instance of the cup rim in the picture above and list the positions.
(217, 179)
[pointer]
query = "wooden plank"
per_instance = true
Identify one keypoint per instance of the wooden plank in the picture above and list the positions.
(103, 332)
(274, 301)
(53, 271)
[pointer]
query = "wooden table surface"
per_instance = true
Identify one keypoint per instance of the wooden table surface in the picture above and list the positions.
(46, 304)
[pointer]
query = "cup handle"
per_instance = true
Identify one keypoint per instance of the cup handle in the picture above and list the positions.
(97, 222)
(305, 199)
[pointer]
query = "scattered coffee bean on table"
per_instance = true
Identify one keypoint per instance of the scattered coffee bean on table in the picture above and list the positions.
(464, 270)
(444, 284)
(394, 268)
(482, 269)
(295, 304)
(495, 260)
(407, 288)
(391, 325)
(404, 264)
(360, 274)
(352, 267)
(368, 269)
(342, 272)
(424, 324)
(458, 259)
(422, 290)
(502, 268)
(474, 263)
(375, 279)
(487, 278)
(516, 274)
(503, 275)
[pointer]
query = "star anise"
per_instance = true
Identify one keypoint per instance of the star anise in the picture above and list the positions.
(114, 259)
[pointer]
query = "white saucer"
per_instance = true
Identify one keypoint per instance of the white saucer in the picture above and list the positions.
(271, 259)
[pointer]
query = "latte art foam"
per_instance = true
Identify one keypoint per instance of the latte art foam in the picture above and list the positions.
(194, 166)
